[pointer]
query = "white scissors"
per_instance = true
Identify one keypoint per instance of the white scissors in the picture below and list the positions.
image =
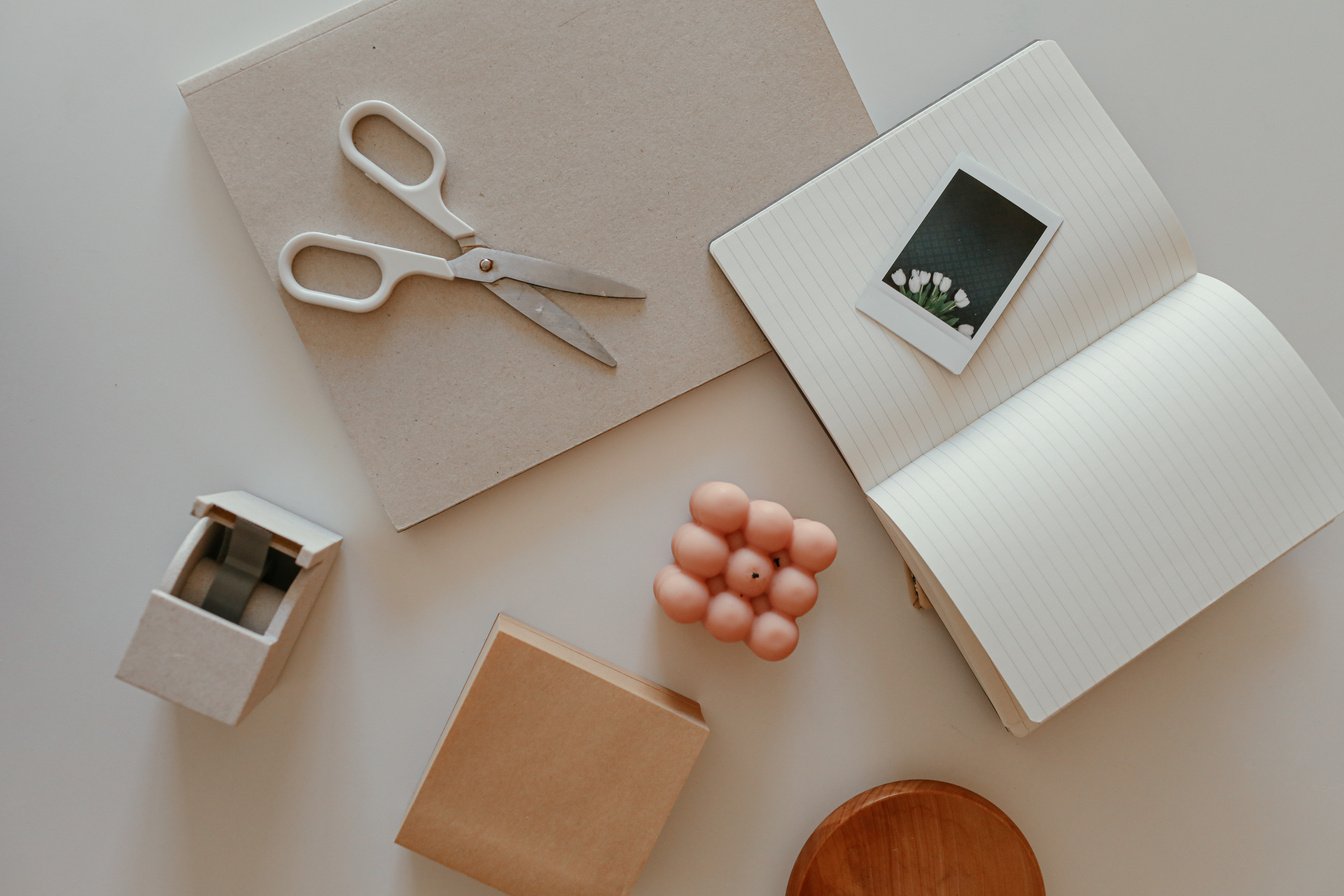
(506, 274)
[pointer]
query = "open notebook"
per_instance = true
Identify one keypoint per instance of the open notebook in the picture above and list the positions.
(1133, 439)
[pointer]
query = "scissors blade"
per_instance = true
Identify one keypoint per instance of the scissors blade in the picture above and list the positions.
(550, 317)
(488, 265)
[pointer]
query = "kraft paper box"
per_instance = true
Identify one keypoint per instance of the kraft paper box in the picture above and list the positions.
(556, 771)
(616, 137)
(218, 668)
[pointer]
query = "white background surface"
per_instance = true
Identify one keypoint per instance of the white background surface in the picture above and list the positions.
(145, 360)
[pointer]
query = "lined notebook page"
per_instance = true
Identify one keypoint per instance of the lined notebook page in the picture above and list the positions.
(800, 265)
(1108, 502)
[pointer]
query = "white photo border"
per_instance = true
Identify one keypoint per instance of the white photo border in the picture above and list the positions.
(888, 307)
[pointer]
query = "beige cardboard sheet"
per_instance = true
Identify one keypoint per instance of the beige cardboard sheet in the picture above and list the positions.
(620, 137)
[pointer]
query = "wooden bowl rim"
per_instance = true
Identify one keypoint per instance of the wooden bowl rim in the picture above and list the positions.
(875, 798)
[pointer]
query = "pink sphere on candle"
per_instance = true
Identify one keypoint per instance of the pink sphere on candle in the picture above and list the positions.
(773, 636)
(699, 551)
(745, 569)
(721, 506)
(813, 546)
(683, 597)
(663, 573)
(729, 617)
(748, 572)
(793, 591)
(769, 526)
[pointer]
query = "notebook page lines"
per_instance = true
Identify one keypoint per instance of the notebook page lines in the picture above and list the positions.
(1131, 209)
(1149, 203)
(1126, 490)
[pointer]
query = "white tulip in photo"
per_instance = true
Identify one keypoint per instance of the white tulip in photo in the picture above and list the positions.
(946, 285)
(898, 277)
(966, 330)
(961, 299)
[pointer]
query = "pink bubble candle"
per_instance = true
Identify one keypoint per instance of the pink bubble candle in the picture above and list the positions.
(745, 569)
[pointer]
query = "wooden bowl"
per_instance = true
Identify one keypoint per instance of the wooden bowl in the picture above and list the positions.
(917, 838)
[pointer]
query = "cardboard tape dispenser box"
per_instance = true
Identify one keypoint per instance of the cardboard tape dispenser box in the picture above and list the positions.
(216, 633)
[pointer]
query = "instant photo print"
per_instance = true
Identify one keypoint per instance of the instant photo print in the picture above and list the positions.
(947, 281)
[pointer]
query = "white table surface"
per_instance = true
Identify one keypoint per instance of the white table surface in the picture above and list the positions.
(145, 360)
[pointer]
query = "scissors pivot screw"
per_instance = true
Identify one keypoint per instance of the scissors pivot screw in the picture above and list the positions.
(486, 265)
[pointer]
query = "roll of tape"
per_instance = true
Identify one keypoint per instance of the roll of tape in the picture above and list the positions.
(260, 607)
(198, 581)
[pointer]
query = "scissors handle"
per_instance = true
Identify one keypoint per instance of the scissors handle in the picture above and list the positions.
(394, 265)
(425, 197)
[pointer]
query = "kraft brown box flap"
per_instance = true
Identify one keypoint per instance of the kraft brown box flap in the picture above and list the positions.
(617, 137)
(556, 771)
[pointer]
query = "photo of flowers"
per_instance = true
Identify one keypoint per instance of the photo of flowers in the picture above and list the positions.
(959, 260)
(933, 293)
